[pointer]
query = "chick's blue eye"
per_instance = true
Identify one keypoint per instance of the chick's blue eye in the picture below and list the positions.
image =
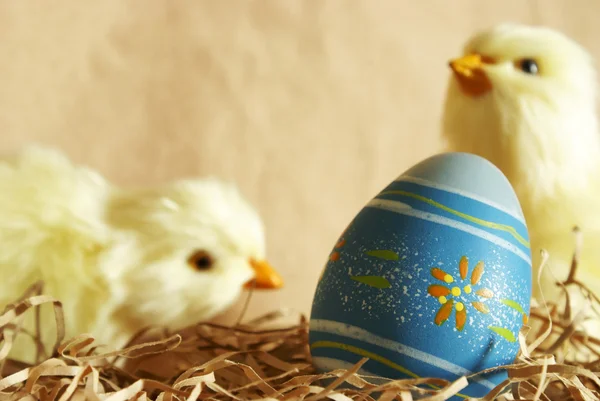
(529, 66)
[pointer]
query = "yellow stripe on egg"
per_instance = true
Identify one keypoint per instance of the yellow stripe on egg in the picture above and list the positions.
(371, 355)
(485, 223)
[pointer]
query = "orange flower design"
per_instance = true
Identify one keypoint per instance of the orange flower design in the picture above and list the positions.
(335, 254)
(452, 297)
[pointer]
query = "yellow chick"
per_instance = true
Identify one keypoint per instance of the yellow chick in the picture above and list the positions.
(524, 97)
(122, 259)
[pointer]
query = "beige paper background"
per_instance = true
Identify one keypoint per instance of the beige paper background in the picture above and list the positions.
(310, 106)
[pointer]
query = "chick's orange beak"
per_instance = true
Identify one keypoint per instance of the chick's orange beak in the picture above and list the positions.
(265, 276)
(471, 77)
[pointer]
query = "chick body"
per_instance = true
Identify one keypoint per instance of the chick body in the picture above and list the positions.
(122, 259)
(52, 230)
(524, 97)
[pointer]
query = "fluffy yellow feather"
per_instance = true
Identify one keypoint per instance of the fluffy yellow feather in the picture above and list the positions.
(121, 259)
(524, 97)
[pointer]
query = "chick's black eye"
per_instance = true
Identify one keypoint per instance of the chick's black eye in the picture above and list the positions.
(529, 66)
(200, 260)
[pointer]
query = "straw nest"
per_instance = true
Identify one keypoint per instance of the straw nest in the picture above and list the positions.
(256, 361)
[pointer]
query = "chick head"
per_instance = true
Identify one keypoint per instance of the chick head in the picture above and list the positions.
(198, 244)
(524, 97)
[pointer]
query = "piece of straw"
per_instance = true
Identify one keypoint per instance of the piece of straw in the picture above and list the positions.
(557, 360)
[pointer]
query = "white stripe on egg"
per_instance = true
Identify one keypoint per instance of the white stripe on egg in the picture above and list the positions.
(403, 208)
(356, 333)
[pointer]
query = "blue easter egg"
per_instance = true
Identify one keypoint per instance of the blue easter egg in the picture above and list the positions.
(432, 278)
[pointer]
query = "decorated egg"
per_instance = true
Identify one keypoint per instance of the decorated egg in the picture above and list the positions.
(432, 278)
